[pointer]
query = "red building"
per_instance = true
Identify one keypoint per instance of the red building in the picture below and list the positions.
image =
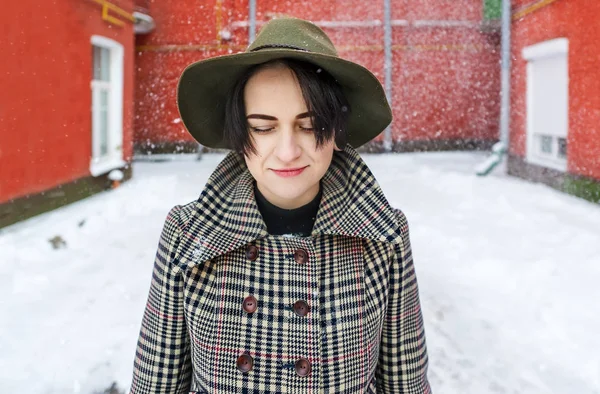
(71, 112)
(82, 92)
(444, 63)
(66, 109)
(555, 114)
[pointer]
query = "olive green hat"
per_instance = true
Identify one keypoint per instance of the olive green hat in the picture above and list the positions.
(204, 85)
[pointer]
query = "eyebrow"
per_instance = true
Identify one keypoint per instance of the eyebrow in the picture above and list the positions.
(269, 117)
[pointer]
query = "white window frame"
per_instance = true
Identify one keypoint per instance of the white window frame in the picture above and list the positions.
(114, 159)
(557, 49)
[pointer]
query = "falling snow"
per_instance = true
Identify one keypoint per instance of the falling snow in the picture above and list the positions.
(507, 270)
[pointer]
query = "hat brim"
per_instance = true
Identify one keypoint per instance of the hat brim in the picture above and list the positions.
(204, 86)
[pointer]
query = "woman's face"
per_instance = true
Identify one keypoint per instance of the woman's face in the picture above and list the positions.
(288, 166)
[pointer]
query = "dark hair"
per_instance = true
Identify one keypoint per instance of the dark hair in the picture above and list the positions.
(322, 94)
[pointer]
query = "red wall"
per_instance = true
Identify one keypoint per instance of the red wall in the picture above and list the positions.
(45, 104)
(445, 79)
(577, 21)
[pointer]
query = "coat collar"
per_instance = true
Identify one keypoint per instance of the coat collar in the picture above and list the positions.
(226, 216)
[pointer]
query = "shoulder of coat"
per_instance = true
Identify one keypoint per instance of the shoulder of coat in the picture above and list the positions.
(185, 214)
(401, 220)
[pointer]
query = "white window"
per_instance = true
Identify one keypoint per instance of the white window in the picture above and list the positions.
(107, 105)
(548, 103)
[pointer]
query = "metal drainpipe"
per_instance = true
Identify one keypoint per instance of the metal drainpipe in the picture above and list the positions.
(252, 20)
(500, 149)
(387, 42)
(505, 106)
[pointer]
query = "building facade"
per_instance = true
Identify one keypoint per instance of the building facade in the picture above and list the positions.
(443, 78)
(66, 109)
(88, 83)
(555, 110)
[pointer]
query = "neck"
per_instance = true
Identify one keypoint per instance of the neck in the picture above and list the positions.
(287, 203)
(297, 221)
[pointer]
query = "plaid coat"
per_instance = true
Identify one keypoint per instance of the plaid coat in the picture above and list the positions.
(362, 330)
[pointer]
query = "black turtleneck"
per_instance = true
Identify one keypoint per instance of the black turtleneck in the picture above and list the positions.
(298, 221)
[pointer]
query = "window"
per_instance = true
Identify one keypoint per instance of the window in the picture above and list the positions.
(107, 105)
(562, 147)
(547, 103)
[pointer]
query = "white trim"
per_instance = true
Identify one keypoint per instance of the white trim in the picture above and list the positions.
(400, 22)
(329, 24)
(555, 47)
(554, 162)
(101, 84)
(104, 167)
(529, 104)
(377, 23)
(448, 23)
(106, 42)
(373, 23)
(99, 165)
(542, 53)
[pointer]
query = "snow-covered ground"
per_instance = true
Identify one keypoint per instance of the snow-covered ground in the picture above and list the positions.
(508, 274)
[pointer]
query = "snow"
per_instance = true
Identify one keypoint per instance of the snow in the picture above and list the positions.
(507, 269)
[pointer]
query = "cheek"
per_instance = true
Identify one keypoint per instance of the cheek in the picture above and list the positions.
(263, 144)
(255, 164)
(251, 163)
(323, 158)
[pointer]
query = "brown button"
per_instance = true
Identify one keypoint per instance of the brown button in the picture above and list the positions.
(252, 252)
(303, 367)
(250, 304)
(301, 256)
(301, 308)
(245, 363)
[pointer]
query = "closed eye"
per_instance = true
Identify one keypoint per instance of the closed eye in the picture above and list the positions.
(261, 129)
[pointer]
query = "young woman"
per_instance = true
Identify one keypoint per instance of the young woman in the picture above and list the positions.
(291, 273)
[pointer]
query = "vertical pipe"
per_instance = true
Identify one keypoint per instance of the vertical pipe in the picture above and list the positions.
(387, 42)
(252, 20)
(505, 96)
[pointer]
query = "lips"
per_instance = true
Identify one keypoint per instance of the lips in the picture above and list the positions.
(289, 172)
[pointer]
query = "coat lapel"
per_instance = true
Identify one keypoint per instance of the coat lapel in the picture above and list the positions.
(226, 216)
(353, 204)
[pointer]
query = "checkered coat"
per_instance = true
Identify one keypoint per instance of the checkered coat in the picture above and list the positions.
(364, 329)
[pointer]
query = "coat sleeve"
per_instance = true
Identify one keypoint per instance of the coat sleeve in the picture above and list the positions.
(162, 362)
(403, 361)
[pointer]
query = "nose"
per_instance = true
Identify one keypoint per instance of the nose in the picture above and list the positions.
(288, 147)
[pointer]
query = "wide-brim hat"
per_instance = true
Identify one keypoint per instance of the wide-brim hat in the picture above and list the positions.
(204, 85)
